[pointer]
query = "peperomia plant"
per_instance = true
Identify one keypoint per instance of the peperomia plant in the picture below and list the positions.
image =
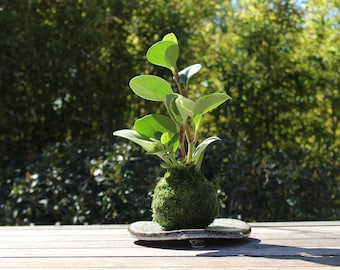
(163, 135)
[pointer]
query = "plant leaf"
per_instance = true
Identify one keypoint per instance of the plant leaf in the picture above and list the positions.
(150, 87)
(210, 102)
(174, 142)
(165, 138)
(154, 125)
(187, 73)
(163, 53)
(197, 120)
(170, 104)
(185, 107)
(170, 37)
(198, 154)
(134, 136)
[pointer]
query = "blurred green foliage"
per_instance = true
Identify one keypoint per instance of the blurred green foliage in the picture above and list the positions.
(81, 184)
(65, 67)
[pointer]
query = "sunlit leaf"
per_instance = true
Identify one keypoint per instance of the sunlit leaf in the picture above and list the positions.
(150, 87)
(200, 150)
(197, 120)
(165, 138)
(170, 37)
(164, 54)
(154, 125)
(185, 107)
(137, 138)
(187, 73)
(210, 102)
(170, 103)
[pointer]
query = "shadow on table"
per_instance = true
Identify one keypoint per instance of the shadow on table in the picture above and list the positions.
(210, 244)
(252, 247)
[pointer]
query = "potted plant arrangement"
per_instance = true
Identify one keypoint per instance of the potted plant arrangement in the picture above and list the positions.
(183, 198)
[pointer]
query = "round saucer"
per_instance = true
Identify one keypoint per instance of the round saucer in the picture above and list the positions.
(221, 228)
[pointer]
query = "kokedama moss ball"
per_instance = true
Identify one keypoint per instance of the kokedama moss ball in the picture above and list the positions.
(184, 199)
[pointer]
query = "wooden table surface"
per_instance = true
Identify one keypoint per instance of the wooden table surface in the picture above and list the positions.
(284, 245)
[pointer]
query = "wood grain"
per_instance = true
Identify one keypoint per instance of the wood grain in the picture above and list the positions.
(281, 245)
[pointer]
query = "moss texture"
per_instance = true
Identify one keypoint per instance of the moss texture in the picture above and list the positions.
(184, 199)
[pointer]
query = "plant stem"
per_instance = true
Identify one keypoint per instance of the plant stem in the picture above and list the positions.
(190, 152)
(183, 128)
(178, 83)
(181, 140)
(190, 143)
(195, 136)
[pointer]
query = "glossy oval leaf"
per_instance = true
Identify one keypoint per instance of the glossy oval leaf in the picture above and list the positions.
(170, 37)
(155, 125)
(165, 138)
(185, 106)
(163, 53)
(170, 104)
(150, 87)
(137, 138)
(198, 154)
(210, 102)
(187, 73)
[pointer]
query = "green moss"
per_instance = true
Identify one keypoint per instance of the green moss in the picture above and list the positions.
(184, 199)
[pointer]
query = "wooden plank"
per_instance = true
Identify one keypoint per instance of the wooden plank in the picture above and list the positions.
(49, 237)
(27, 231)
(261, 250)
(165, 262)
(99, 247)
(122, 230)
(296, 224)
(55, 243)
(310, 245)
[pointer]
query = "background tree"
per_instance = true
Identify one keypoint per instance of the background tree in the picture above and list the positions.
(283, 121)
(64, 73)
(65, 67)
